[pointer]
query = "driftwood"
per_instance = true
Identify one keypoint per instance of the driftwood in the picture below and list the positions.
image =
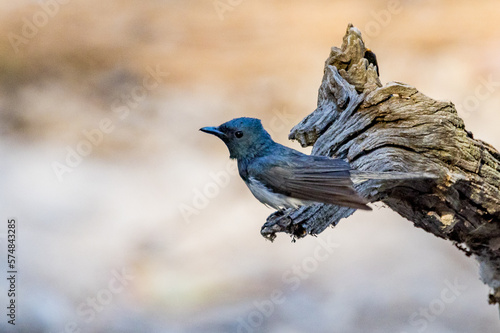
(397, 128)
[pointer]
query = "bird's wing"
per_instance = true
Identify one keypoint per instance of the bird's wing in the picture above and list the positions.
(312, 178)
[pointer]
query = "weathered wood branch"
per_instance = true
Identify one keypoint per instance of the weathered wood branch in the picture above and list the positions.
(397, 128)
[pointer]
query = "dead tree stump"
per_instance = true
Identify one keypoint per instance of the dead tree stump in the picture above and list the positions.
(397, 128)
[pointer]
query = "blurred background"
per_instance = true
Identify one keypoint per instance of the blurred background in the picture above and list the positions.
(131, 220)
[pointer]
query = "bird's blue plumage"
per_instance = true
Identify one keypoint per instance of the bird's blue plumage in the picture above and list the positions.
(282, 177)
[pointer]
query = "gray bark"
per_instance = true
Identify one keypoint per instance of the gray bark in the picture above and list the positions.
(396, 128)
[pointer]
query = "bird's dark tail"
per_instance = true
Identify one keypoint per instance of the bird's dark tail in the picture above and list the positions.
(358, 176)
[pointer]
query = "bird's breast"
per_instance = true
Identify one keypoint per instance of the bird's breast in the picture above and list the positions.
(270, 198)
(243, 169)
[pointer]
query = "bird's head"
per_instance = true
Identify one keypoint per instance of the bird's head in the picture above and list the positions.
(244, 137)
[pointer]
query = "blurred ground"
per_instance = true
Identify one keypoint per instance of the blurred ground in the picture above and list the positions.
(151, 231)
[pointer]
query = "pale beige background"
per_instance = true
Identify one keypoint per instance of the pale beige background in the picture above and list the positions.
(120, 208)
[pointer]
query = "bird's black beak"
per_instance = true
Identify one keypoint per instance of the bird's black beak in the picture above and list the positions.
(213, 130)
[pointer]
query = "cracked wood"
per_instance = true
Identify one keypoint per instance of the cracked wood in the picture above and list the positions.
(394, 127)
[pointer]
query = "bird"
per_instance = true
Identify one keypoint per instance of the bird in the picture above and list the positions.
(281, 177)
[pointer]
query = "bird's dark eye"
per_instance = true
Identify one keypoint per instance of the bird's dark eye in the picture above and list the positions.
(238, 134)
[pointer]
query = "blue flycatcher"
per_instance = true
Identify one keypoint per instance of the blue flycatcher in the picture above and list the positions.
(281, 177)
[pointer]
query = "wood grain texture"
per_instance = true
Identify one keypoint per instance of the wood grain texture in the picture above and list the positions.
(396, 128)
